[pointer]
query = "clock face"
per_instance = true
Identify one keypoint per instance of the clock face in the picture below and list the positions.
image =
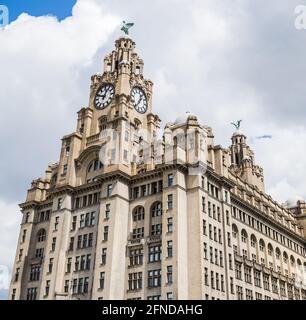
(139, 100)
(104, 96)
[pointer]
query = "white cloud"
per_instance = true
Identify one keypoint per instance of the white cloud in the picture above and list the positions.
(45, 75)
(9, 221)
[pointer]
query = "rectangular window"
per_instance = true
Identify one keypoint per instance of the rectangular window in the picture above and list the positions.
(154, 253)
(105, 233)
(170, 224)
(59, 203)
(17, 274)
(257, 278)
(103, 256)
(169, 275)
(53, 244)
(24, 233)
(203, 204)
(82, 221)
(71, 243)
(156, 229)
(232, 285)
(212, 279)
(56, 222)
(135, 281)
(170, 201)
(248, 294)
(109, 190)
(138, 233)
(74, 222)
(50, 266)
(170, 180)
(31, 293)
(239, 292)
(136, 257)
(169, 296)
(47, 288)
(204, 228)
(68, 267)
(92, 219)
(247, 274)
(205, 250)
(230, 261)
(154, 278)
(90, 238)
(39, 252)
(170, 248)
(238, 270)
(86, 282)
(206, 277)
(266, 282)
(77, 263)
(107, 211)
(35, 273)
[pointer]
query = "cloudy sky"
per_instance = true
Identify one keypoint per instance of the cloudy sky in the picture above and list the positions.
(220, 59)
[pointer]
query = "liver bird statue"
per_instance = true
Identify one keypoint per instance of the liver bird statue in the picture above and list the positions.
(126, 26)
(236, 124)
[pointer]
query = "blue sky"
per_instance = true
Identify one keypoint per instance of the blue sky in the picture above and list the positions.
(59, 8)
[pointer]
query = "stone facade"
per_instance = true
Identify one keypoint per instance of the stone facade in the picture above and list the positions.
(126, 215)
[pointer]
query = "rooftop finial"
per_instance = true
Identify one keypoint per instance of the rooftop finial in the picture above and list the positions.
(126, 26)
(236, 124)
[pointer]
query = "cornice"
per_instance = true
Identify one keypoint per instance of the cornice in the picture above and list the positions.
(236, 200)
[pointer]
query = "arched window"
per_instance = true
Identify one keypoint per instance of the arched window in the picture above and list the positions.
(270, 249)
(253, 241)
(261, 245)
(138, 213)
(277, 253)
(285, 257)
(156, 209)
(234, 231)
(292, 261)
(41, 235)
(95, 165)
(244, 236)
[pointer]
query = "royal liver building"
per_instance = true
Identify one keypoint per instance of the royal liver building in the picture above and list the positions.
(128, 213)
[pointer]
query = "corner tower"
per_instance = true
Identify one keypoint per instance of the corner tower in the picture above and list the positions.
(243, 161)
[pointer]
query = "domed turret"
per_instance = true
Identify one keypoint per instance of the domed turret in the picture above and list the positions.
(184, 118)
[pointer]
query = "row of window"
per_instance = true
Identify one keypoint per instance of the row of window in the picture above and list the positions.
(77, 286)
(214, 233)
(84, 241)
(147, 189)
(256, 224)
(154, 255)
(268, 250)
(82, 263)
(86, 220)
(87, 200)
(216, 280)
(215, 255)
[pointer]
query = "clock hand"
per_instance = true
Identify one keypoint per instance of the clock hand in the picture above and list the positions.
(138, 101)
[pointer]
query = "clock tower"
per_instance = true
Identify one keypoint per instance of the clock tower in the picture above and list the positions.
(120, 109)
